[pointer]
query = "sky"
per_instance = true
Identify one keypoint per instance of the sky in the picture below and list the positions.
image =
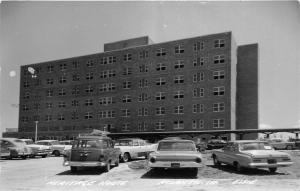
(33, 32)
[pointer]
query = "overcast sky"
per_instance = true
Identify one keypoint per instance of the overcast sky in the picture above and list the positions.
(33, 32)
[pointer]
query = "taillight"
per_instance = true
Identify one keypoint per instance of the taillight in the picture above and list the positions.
(152, 159)
(198, 160)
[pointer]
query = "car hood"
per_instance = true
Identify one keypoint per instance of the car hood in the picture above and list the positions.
(265, 153)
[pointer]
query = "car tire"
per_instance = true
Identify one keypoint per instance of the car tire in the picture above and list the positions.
(194, 172)
(107, 167)
(126, 157)
(73, 169)
(273, 169)
(56, 153)
(117, 162)
(216, 161)
(24, 157)
(289, 147)
(238, 167)
(44, 156)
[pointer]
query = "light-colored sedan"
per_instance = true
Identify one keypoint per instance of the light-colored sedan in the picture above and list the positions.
(176, 154)
(37, 150)
(251, 154)
(14, 148)
(54, 145)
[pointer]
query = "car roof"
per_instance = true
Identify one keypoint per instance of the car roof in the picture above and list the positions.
(94, 137)
(9, 139)
(176, 140)
(125, 139)
(47, 140)
(247, 141)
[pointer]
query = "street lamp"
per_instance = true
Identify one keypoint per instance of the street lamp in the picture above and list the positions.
(36, 124)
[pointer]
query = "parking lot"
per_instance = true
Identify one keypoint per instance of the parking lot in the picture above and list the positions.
(49, 174)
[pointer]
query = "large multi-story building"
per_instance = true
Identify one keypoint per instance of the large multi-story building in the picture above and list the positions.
(196, 84)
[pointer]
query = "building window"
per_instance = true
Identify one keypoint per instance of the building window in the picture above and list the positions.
(161, 52)
(160, 111)
(142, 126)
(179, 49)
(160, 96)
(106, 100)
(62, 92)
(75, 103)
(108, 60)
(127, 85)
(143, 54)
(198, 77)
(61, 104)
(179, 64)
(126, 127)
(26, 95)
(25, 107)
(25, 84)
(107, 114)
(198, 46)
(179, 94)
(90, 63)
(62, 79)
(25, 119)
(160, 125)
(74, 115)
(49, 105)
(50, 81)
(219, 75)
(107, 74)
(107, 87)
(218, 107)
(88, 102)
(218, 123)
(126, 99)
(178, 109)
(199, 61)
(143, 83)
(89, 89)
(63, 67)
(125, 112)
(178, 124)
(88, 115)
(161, 81)
(198, 124)
(219, 91)
(48, 118)
(179, 79)
(75, 91)
(143, 97)
(198, 92)
(75, 64)
(219, 43)
(127, 57)
(50, 68)
(127, 71)
(198, 108)
(89, 76)
(143, 68)
(49, 93)
(75, 77)
(142, 111)
(61, 117)
(219, 59)
(161, 66)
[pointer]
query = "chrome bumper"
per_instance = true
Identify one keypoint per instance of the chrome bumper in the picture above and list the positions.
(267, 165)
(83, 164)
(167, 164)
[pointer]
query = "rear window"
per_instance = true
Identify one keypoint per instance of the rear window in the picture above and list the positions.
(176, 146)
(90, 144)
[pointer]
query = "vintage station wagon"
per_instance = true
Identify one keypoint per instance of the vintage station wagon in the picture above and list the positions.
(92, 151)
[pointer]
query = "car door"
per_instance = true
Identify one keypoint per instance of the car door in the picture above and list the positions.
(226, 158)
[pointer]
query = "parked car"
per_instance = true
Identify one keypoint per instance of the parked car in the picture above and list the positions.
(133, 148)
(68, 145)
(92, 151)
(37, 150)
(251, 154)
(14, 148)
(54, 145)
(281, 144)
(201, 146)
(215, 144)
(176, 154)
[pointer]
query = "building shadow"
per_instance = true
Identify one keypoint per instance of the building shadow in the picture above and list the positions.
(246, 171)
(168, 174)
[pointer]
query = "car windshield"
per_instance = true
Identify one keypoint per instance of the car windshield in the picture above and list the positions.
(124, 143)
(176, 146)
(255, 146)
(89, 144)
(28, 142)
(19, 142)
(42, 143)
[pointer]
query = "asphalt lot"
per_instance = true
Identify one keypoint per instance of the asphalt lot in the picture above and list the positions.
(49, 174)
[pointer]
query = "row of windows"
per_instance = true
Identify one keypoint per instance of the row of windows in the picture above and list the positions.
(161, 125)
(179, 94)
(178, 49)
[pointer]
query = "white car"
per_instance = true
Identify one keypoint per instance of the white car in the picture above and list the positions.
(54, 145)
(37, 150)
(133, 148)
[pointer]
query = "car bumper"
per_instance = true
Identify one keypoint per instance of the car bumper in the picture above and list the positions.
(83, 164)
(168, 164)
(267, 165)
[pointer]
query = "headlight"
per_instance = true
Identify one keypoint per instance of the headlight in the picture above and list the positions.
(152, 159)
(198, 160)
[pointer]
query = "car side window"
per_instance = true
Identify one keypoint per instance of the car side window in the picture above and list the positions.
(142, 143)
(135, 143)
